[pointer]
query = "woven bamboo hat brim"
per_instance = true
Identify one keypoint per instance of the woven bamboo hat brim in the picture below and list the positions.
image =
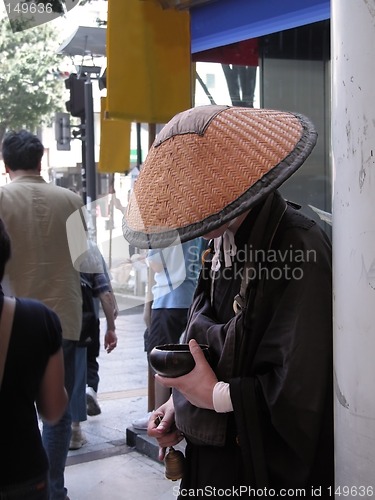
(210, 164)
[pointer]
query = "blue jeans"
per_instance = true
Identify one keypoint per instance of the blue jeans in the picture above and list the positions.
(56, 438)
(93, 350)
(78, 399)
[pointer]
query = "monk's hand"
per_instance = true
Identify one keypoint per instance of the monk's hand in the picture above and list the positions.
(197, 386)
(162, 427)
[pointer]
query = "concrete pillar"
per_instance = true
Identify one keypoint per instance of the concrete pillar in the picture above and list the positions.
(353, 160)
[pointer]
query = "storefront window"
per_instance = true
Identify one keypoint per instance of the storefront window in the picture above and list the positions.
(218, 83)
(289, 71)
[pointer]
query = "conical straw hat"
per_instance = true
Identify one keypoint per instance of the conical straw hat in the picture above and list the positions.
(210, 164)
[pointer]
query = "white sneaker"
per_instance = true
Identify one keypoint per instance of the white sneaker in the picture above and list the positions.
(77, 440)
(142, 423)
(92, 404)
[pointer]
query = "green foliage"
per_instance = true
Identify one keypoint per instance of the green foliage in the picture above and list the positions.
(30, 94)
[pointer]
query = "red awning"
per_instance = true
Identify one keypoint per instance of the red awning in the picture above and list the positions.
(243, 53)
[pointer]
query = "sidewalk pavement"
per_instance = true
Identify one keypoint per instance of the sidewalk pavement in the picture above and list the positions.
(118, 462)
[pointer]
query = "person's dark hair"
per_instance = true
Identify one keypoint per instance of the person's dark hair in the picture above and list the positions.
(22, 150)
(4, 248)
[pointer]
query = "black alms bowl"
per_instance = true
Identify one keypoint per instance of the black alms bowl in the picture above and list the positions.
(173, 360)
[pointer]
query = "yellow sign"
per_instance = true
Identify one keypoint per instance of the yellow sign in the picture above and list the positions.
(114, 155)
(148, 61)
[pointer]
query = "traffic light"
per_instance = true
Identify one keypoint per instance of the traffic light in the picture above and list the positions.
(62, 131)
(76, 104)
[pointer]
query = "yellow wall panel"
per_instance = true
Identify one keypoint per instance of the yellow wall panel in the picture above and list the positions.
(114, 155)
(148, 61)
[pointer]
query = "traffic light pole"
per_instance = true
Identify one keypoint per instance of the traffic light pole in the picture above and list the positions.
(83, 169)
(81, 105)
(90, 143)
(89, 151)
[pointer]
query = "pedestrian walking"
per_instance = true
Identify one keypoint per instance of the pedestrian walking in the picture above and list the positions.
(31, 376)
(36, 213)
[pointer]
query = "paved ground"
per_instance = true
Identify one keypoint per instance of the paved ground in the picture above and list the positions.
(107, 467)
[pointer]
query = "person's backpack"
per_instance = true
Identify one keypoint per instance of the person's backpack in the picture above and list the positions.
(90, 322)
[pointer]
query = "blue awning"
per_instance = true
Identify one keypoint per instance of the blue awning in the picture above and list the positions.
(227, 21)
